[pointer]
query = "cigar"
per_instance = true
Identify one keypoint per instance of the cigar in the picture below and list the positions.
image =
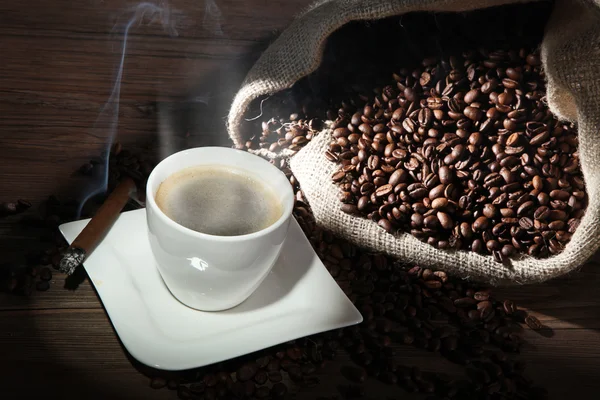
(93, 233)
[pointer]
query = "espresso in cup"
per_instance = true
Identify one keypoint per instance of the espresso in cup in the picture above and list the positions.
(217, 220)
(218, 200)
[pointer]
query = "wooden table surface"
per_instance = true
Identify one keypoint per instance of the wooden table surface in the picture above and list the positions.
(57, 69)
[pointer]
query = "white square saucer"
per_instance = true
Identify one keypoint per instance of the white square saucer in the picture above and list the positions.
(299, 298)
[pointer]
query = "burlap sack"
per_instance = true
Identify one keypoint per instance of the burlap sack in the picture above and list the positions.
(571, 58)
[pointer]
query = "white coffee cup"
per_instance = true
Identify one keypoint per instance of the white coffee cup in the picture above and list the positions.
(207, 272)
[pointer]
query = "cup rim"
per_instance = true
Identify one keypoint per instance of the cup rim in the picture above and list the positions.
(285, 215)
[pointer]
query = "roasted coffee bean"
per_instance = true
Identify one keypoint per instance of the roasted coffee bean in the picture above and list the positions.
(42, 286)
(295, 353)
(195, 388)
(273, 365)
(262, 392)
(445, 220)
(279, 390)
(275, 376)
(338, 176)
(481, 296)
(508, 250)
(261, 377)
(509, 307)
(354, 374)
(210, 380)
(45, 274)
(526, 223)
(158, 383)
(246, 372)
(184, 393)
(533, 323)
(439, 204)
(480, 224)
(349, 209)
(386, 225)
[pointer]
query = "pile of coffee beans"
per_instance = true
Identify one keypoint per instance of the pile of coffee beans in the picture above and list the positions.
(279, 134)
(14, 208)
(120, 163)
(463, 154)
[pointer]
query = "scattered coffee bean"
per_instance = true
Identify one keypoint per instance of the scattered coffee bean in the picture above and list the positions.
(354, 374)
(172, 384)
(42, 286)
(246, 372)
(275, 376)
(279, 390)
(262, 392)
(45, 274)
(261, 377)
(533, 323)
(183, 392)
(158, 383)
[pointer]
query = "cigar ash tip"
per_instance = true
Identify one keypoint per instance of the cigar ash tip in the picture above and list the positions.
(72, 258)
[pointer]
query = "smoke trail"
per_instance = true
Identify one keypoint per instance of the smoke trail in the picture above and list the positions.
(212, 17)
(107, 121)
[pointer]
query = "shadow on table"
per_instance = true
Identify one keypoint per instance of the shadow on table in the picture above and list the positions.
(572, 301)
(566, 362)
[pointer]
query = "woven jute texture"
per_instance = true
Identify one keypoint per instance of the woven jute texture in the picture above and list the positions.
(571, 59)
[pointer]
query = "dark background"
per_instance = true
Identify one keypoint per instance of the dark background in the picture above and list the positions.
(58, 61)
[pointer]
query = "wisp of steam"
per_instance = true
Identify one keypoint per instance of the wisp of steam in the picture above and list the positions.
(107, 121)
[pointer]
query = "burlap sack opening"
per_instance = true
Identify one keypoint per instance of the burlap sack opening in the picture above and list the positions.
(571, 58)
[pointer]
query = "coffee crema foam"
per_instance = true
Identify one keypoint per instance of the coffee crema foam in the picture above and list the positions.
(218, 200)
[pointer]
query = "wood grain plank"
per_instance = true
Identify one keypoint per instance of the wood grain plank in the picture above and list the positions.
(195, 19)
(56, 298)
(74, 357)
(58, 69)
(83, 343)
